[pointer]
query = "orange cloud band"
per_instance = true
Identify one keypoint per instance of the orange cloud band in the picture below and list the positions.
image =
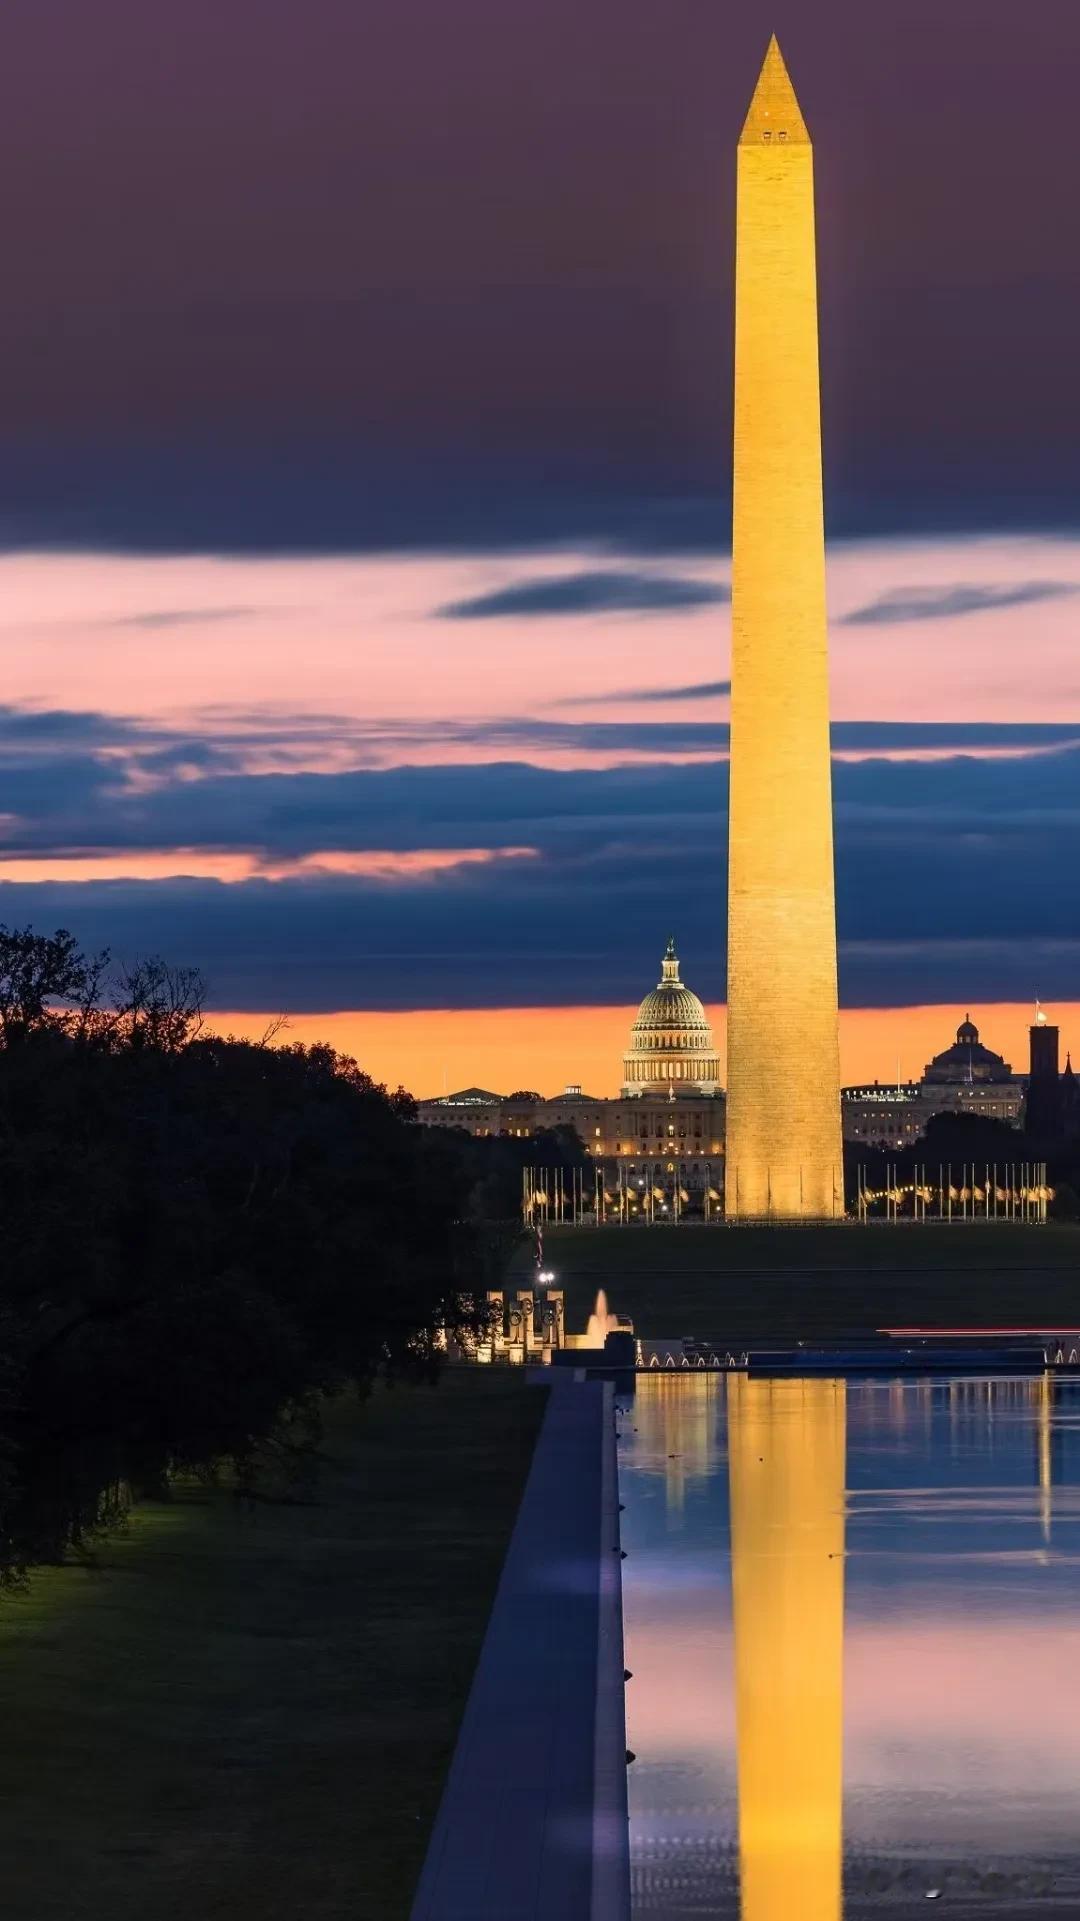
(434, 1050)
(197, 863)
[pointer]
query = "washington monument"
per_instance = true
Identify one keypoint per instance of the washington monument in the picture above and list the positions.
(784, 1156)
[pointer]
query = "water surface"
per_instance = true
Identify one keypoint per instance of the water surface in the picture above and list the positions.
(853, 1620)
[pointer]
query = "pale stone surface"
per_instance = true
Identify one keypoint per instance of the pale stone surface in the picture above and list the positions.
(533, 1820)
(784, 1154)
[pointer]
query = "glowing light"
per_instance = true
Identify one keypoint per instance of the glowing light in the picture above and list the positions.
(783, 1113)
(786, 1442)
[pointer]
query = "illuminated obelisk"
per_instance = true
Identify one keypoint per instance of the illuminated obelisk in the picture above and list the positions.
(783, 1086)
(786, 1458)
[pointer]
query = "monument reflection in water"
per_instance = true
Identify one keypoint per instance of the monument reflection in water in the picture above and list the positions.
(786, 1468)
(852, 1624)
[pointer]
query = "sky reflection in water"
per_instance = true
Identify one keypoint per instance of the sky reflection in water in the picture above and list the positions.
(905, 1559)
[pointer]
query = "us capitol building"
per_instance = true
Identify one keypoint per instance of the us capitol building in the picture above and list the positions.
(671, 1107)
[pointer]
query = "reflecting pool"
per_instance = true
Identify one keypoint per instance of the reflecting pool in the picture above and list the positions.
(853, 1620)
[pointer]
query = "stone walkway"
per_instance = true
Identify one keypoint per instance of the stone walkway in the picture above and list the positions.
(533, 1824)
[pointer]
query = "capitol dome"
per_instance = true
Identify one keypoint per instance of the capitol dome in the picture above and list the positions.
(671, 1044)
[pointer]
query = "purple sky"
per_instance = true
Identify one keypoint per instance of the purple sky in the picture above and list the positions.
(370, 365)
(505, 229)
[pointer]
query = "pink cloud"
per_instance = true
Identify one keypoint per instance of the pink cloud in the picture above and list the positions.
(223, 865)
(334, 646)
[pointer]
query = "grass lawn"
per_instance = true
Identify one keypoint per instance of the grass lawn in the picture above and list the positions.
(249, 1712)
(781, 1283)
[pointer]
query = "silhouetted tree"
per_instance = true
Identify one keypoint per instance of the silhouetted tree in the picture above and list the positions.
(46, 982)
(950, 1139)
(1065, 1205)
(200, 1236)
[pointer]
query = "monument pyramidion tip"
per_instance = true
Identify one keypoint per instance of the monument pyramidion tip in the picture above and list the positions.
(775, 115)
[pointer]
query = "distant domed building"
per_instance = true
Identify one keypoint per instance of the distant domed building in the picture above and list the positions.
(671, 1044)
(967, 1061)
(966, 1078)
(668, 1119)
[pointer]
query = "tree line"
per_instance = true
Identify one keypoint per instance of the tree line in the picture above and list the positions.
(200, 1237)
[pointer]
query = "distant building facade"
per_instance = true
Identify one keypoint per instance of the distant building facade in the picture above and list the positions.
(671, 1108)
(966, 1078)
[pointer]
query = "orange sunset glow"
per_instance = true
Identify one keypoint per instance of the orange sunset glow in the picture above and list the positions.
(431, 1051)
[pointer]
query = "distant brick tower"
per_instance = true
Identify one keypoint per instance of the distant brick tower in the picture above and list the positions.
(784, 1154)
(1043, 1108)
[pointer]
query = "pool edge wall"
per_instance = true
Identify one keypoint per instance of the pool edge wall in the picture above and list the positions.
(533, 1819)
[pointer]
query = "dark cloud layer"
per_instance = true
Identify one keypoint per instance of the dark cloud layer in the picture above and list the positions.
(194, 493)
(181, 617)
(944, 603)
(577, 936)
(954, 874)
(589, 593)
(652, 696)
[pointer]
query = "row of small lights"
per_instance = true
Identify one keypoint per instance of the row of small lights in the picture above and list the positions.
(959, 1193)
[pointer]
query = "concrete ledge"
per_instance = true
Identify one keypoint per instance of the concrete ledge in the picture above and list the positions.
(533, 1821)
(611, 1839)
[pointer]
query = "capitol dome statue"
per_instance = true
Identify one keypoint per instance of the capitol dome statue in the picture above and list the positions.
(671, 1045)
